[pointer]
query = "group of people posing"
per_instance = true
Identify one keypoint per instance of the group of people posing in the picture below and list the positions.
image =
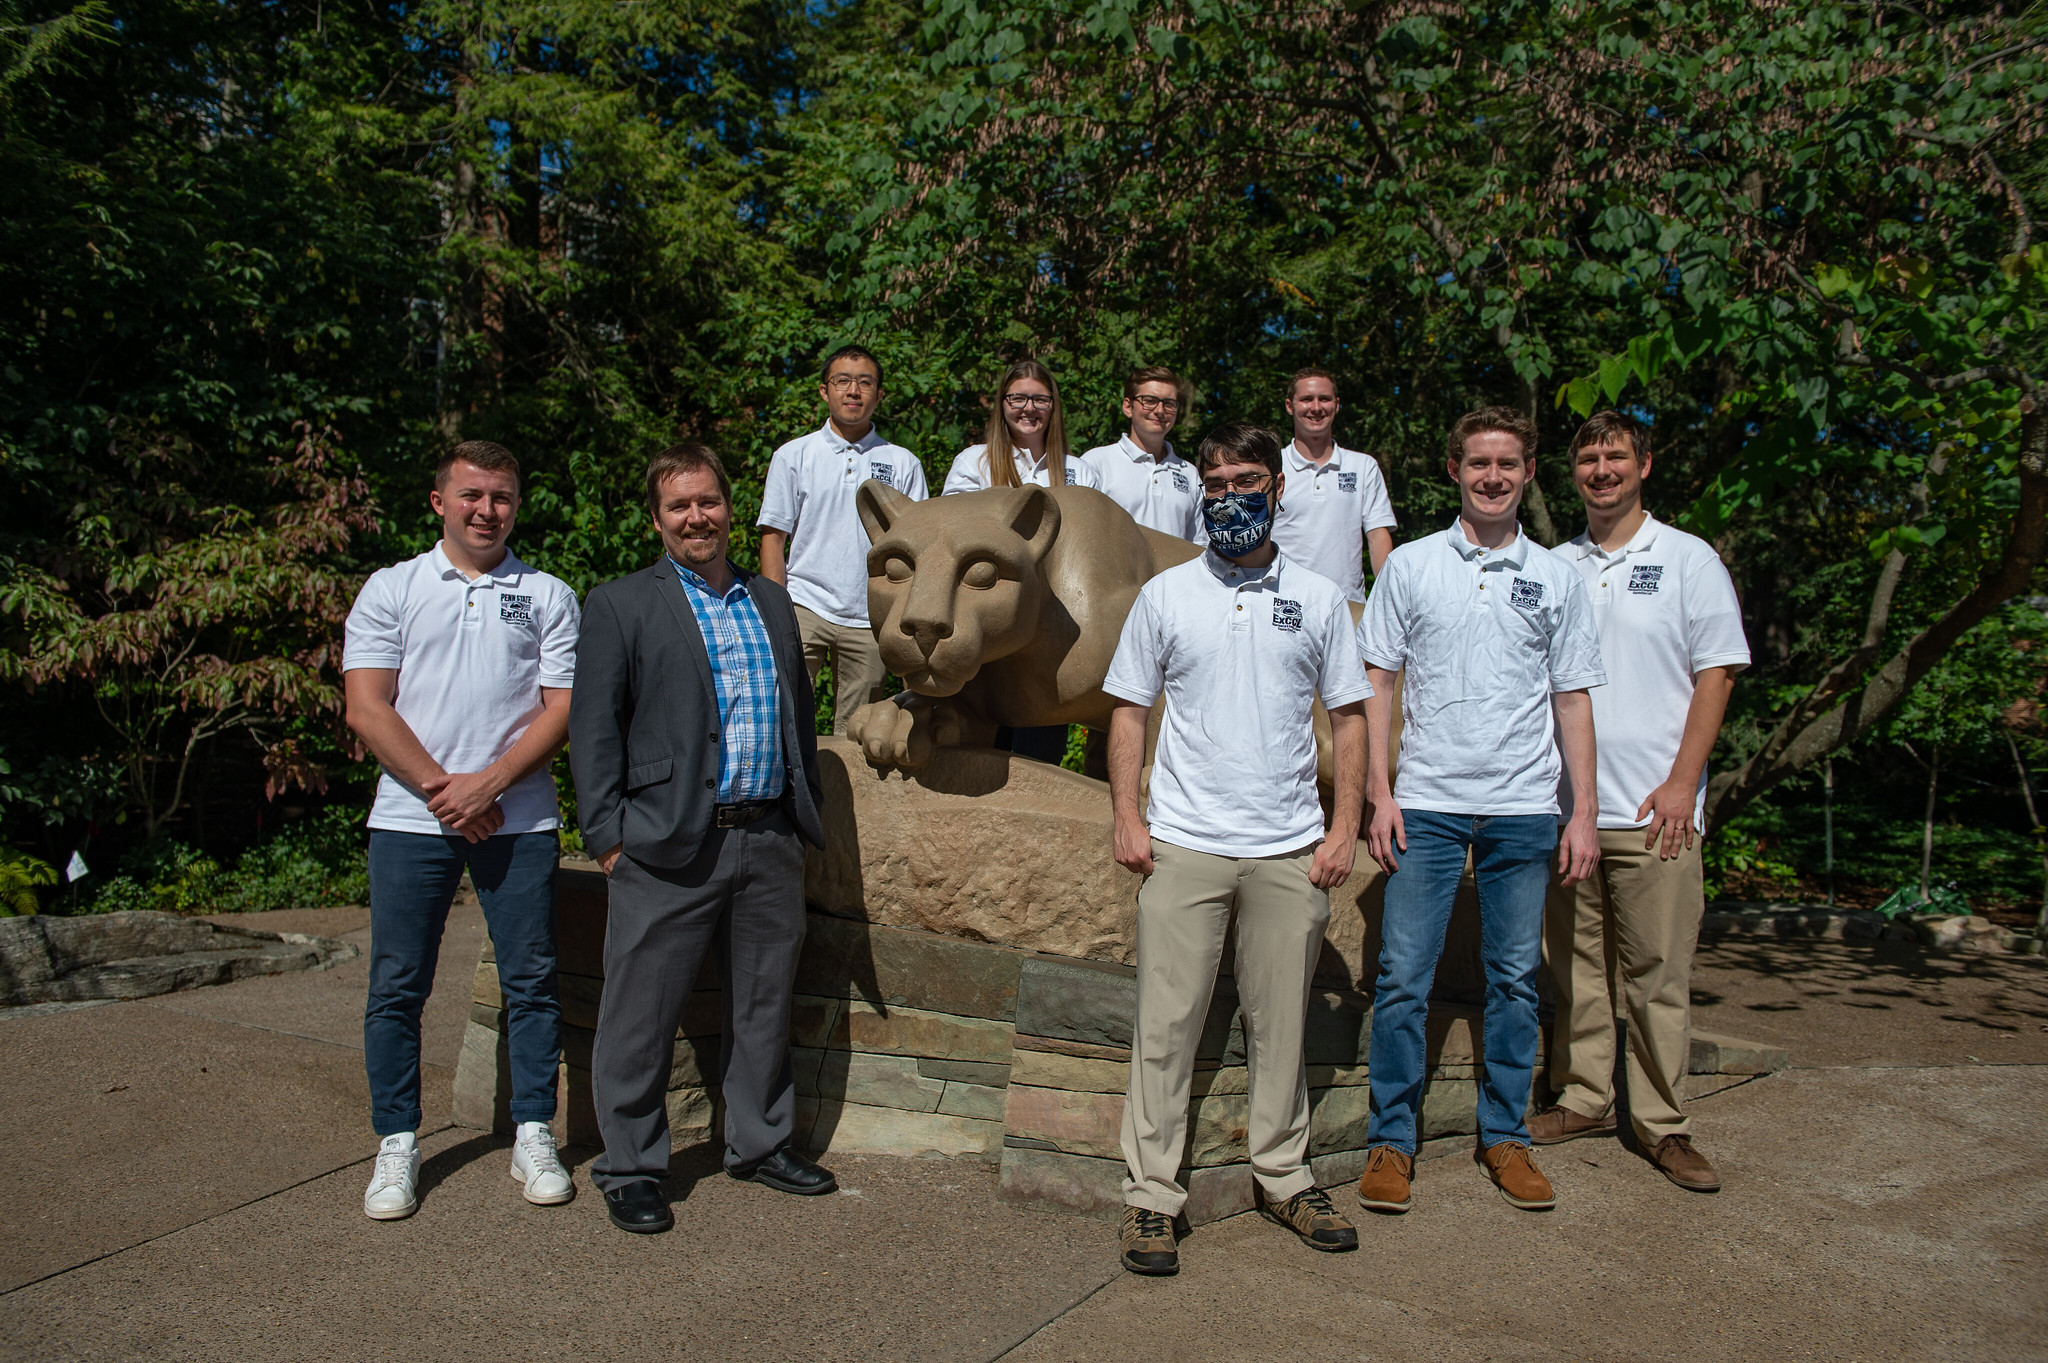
(1558, 709)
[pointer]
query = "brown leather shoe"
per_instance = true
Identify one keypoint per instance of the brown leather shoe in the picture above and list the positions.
(1559, 1123)
(1383, 1187)
(1685, 1166)
(1518, 1179)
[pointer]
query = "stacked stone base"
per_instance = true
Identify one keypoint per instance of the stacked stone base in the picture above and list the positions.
(907, 1042)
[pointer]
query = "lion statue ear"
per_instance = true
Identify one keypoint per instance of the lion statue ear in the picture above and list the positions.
(879, 506)
(1035, 516)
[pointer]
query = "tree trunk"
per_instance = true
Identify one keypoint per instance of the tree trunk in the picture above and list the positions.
(2034, 820)
(1927, 826)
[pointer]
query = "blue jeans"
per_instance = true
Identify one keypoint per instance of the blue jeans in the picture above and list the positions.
(413, 877)
(1511, 857)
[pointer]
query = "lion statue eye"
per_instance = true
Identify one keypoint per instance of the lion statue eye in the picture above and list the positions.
(898, 569)
(982, 575)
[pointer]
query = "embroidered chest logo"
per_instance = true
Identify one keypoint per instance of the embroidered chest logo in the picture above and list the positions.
(1180, 481)
(883, 473)
(1347, 482)
(515, 610)
(1525, 595)
(1644, 578)
(1286, 614)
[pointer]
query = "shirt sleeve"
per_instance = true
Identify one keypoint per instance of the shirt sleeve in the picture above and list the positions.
(1137, 671)
(1575, 661)
(966, 474)
(1713, 616)
(1376, 508)
(914, 485)
(779, 495)
(1382, 639)
(1343, 676)
(373, 636)
(1081, 473)
(558, 638)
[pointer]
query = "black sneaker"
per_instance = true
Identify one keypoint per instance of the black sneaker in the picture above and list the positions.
(1148, 1243)
(1310, 1215)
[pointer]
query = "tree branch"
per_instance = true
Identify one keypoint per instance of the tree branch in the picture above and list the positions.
(1798, 743)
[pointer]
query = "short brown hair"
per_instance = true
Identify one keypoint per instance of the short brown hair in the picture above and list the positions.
(687, 457)
(1309, 373)
(1159, 373)
(1507, 419)
(1612, 425)
(1239, 442)
(487, 455)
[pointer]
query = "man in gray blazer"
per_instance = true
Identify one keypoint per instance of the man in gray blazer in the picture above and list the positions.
(692, 742)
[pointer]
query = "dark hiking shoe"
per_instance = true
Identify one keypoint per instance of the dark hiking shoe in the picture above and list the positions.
(1309, 1214)
(1148, 1243)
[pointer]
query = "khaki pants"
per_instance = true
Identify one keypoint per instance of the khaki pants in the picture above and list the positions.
(1184, 911)
(1622, 940)
(856, 659)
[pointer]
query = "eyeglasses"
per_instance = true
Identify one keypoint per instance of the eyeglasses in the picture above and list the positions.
(866, 383)
(1027, 402)
(1244, 482)
(1145, 402)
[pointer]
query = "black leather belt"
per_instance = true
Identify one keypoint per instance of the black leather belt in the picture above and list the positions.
(740, 815)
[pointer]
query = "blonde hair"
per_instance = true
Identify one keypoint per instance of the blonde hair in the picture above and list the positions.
(1001, 454)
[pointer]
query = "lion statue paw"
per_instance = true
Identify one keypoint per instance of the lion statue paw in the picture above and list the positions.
(903, 730)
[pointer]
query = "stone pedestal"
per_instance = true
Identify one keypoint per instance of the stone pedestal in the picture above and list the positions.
(965, 990)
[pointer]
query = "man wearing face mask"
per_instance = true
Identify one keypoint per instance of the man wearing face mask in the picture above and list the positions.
(1239, 643)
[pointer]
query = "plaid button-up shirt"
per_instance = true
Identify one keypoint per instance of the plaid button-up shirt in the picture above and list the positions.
(750, 764)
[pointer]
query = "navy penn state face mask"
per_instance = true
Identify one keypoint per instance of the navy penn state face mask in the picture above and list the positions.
(1238, 522)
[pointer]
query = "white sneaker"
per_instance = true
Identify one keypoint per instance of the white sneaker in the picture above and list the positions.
(534, 1164)
(392, 1195)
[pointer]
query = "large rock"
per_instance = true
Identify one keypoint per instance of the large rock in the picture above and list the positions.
(137, 954)
(995, 848)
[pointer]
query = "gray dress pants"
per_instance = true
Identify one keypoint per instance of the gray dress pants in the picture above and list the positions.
(743, 897)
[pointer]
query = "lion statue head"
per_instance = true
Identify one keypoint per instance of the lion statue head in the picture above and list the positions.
(955, 582)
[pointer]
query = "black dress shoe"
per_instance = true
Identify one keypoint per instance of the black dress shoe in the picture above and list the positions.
(790, 1172)
(639, 1207)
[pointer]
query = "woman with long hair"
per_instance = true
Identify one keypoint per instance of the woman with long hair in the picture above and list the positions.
(1026, 444)
(1026, 440)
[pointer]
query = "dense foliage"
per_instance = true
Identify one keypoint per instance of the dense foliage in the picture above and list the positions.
(262, 259)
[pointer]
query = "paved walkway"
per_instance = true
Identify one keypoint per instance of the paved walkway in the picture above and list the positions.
(186, 1174)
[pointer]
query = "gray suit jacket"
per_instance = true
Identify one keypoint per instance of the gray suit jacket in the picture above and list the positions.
(644, 726)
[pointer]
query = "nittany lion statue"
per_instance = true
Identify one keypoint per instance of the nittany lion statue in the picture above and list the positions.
(1000, 607)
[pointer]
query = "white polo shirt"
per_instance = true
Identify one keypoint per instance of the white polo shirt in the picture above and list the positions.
(1241, 657)
(1485, 636)
(1666, 611)
(1162, 494)
(471, 656)
(1326, 511)
(809, 497)
(970, 471)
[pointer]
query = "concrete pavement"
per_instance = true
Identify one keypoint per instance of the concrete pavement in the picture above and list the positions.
(186, 1182)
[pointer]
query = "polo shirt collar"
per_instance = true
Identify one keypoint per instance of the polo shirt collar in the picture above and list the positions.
(1221, 568)
(1298, 461)
(1137, 452)
(835, 441)
(508, 567)
(1515, 555)
(1639, 543)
